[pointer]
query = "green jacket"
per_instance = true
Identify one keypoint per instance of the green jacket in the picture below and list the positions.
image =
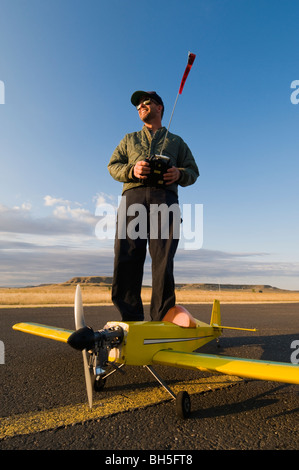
(139, 145)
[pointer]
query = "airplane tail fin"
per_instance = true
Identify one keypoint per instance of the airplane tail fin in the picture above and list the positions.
(216, 319)
(216, 316)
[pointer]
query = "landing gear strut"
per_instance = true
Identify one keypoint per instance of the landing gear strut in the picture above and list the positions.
(182, 399)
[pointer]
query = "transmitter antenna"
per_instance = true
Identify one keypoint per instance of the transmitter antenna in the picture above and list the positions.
(191, 58)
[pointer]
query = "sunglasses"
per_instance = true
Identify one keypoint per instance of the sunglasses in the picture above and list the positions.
(146, 102)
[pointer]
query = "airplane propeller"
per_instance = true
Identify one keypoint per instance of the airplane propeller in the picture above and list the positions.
(80, 324)
(78, 309)
(95, 347)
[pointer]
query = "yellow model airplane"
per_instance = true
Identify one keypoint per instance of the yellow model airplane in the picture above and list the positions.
(170, 342)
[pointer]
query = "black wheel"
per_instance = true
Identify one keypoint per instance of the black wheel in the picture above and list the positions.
(99, 384)
(183, 405)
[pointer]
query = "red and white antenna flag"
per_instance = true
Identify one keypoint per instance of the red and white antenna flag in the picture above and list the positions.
(191, 58)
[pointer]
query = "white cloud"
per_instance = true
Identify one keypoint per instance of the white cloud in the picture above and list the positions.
(33, 265)
(63, 244)
(64, 209)
(64, 220)
(103, 198)
(53, 201)
(51, 248)
(236, 268)
(79, 214)
(26, 206)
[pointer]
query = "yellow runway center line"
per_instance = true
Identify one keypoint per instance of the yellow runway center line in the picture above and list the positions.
(46, 420)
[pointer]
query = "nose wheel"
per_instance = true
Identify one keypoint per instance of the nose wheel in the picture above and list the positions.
(99, 384)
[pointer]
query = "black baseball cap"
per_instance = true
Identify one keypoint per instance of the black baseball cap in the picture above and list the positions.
(136, 97)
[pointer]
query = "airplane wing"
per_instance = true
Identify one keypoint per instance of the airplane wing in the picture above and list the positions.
(248, 368)
(51, 332)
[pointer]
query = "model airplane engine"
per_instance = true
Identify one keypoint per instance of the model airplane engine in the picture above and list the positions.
(87, 338)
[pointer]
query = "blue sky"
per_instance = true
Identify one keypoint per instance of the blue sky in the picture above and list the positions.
(68, 69)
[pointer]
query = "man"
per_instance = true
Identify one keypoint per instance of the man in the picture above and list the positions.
(128, 165)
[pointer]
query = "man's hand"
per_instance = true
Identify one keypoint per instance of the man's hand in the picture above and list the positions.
(141, 170)
(172, 175)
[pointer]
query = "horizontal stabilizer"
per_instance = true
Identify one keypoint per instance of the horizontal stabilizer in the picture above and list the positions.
(248, 368)
(234, 328)
(51, 332)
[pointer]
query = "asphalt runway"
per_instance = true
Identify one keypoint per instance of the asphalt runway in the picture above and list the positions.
(43, 398)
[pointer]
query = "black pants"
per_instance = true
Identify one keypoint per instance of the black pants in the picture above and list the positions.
(133, 233)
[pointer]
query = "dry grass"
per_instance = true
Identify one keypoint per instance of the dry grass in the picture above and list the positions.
(56, 295)
(53, 295)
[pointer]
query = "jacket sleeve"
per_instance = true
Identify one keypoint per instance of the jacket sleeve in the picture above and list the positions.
(187, 166)
(119, 167)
